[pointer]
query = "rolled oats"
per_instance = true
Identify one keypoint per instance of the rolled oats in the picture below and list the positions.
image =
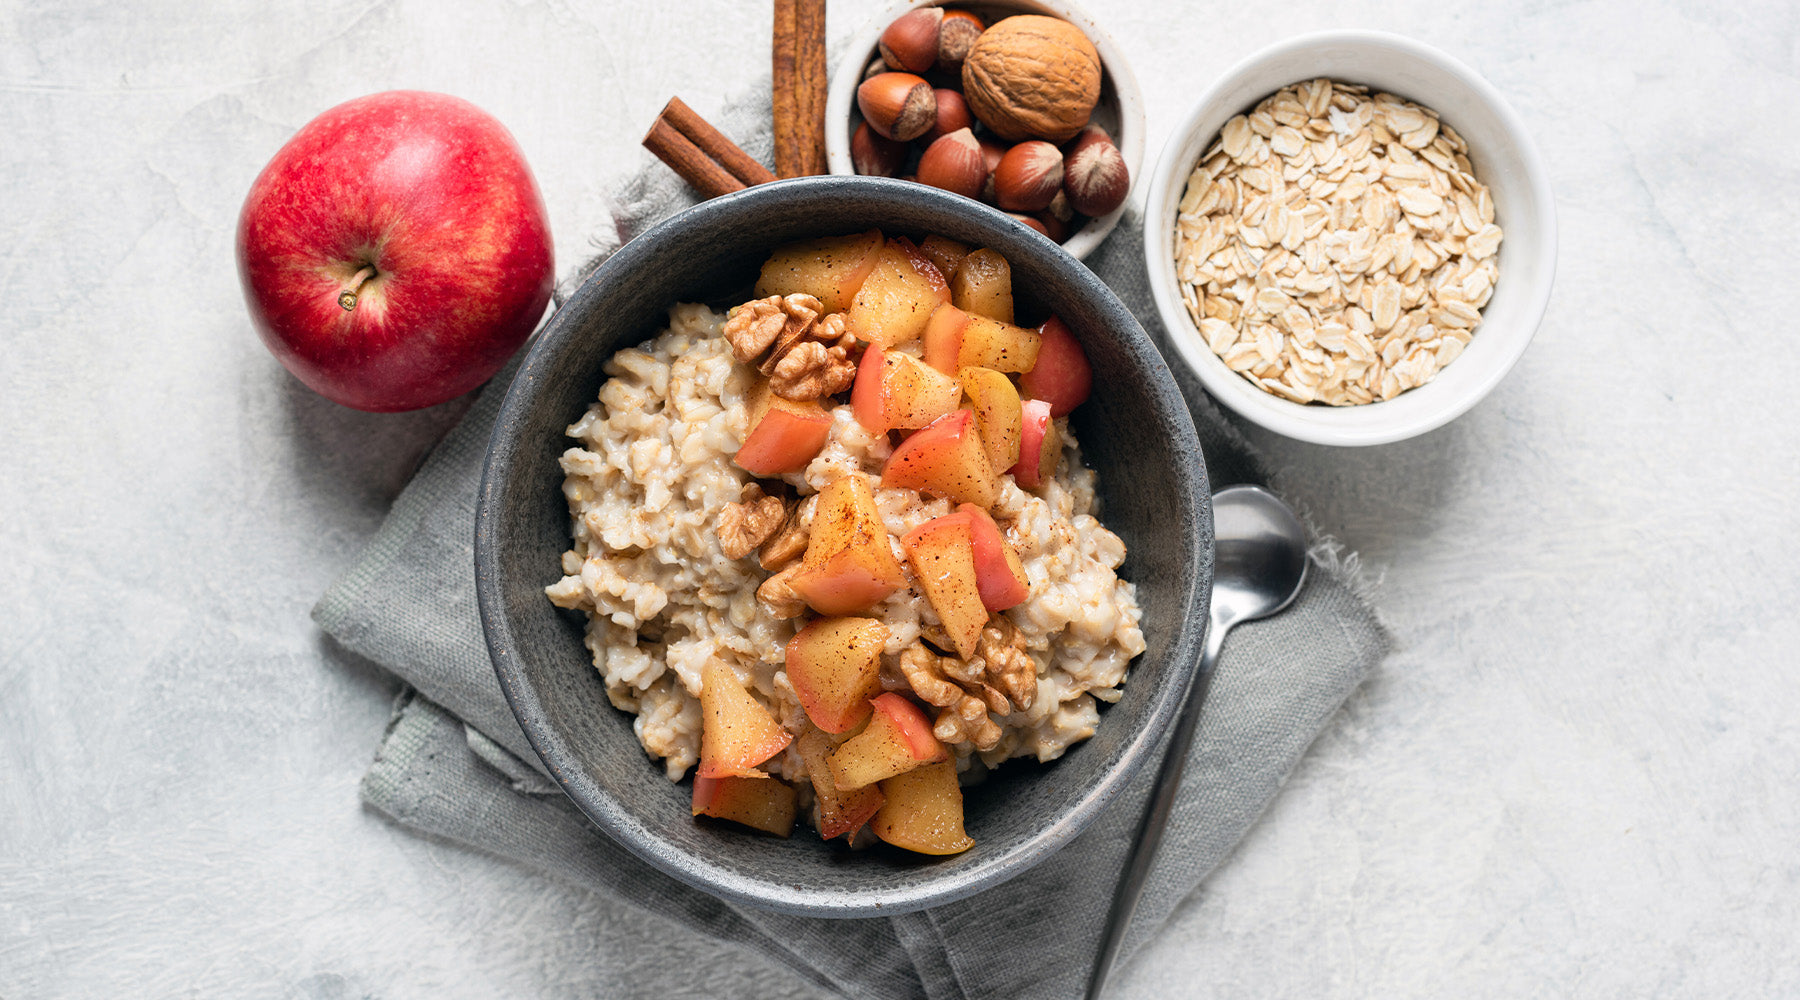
(1334, 246)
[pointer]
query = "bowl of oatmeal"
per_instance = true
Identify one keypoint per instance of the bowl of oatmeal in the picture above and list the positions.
(1351, 238)
(820, 647)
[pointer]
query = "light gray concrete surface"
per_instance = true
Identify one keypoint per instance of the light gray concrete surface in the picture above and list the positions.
(1576, 776)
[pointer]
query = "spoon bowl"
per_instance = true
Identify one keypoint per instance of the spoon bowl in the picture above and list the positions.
(1259, 566)
(1259, 559)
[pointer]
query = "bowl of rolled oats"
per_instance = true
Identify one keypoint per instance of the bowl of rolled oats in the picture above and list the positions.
(1351, 238)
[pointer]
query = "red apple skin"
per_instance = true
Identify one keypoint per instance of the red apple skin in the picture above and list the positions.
(912, 725)
(784, 440)
(1040, 446)
(1062, 376)
(999, 575)
(434, 194)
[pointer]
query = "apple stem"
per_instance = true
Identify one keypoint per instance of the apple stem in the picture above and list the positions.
(347, 298)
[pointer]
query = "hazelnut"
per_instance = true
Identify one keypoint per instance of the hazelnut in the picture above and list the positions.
(1029, 222)
(956, 36)
(954, 163)
(1028, 177)
(1094, 175)
(875, 155)
(991, 152)
(952, 114)
(1032, 76)
(910, 43)
(899, 106)
(1055, 228)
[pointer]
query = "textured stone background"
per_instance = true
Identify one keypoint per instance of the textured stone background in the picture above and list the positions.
(1576, 776)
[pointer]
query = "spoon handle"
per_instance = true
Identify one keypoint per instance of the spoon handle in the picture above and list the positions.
(1156, 812)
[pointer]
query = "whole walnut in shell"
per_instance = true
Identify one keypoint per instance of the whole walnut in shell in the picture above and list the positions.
(1032, 77)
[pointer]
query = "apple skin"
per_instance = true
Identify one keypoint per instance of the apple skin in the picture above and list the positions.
(435, 195)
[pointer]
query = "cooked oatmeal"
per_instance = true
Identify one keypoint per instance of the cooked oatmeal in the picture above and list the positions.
(648, 480)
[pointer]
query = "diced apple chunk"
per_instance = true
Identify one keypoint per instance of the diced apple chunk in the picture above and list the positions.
(944, 253)
(1040, 446)
(785, 435)
(898, 296)
(955, 339)
(834, 665)
(736, 732)
(849, 563)
(923, 811)
(946, 459)
(841, 811)
(1000, 346)
(999, 574)
(943, 560)
(1062, 376)
(983, 286)
(832, 269)
(763, 805)
(898, 738)
(898, 390)
(943, 338)
(998, 416)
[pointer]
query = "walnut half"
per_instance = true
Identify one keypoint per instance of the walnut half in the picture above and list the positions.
(745, 525)
(964, 716)
(803, 355)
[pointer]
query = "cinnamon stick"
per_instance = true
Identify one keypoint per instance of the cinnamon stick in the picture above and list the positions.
(711, 163)
(713, 143)
(702, 172)
(800, 87)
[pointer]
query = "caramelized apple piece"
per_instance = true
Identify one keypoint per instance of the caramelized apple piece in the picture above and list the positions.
(898, 738)
(1040, 446)
(1000, 346)
(764, 805)
(849, 563)
(736, 731)
(943, 338)
(841, 811)
(898, 390)
(946, 459)
(898, 296)
(834, 665)
(1062, 376)
(943, 560)
(944, 253)
(999, 574)
(923, 811)
(784, 435)
(983, 286)
(955, 339)
(998, 416)
(832, 269)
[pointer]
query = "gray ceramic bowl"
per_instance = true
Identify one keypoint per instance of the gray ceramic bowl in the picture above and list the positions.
(1135, 432)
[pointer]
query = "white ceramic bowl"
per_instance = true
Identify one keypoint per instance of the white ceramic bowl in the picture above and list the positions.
(1505, 159)
(1120, 111)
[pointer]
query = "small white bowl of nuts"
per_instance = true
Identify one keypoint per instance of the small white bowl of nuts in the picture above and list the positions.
(1351, 238)
(1026, 105)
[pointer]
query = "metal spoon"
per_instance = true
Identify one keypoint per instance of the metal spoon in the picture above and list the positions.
(1259, 564)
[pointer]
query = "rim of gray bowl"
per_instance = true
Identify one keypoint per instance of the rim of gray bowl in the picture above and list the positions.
(614, 817)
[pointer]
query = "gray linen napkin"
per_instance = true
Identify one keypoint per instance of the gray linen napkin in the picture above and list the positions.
(454, 763)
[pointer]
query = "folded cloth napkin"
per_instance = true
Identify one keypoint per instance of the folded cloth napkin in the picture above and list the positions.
(454, 763)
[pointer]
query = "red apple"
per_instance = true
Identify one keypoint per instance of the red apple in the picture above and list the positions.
(396, 251)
